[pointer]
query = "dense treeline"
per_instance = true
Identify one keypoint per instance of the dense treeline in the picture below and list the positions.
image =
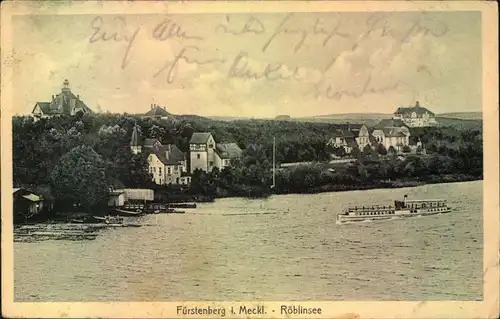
(40, 156)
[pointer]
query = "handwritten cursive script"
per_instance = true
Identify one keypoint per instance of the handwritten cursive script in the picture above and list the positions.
(120, 34)
(271, 72)
(168, 29)
(330, 92)
(172, 67)
(252, 25)
(305, 32)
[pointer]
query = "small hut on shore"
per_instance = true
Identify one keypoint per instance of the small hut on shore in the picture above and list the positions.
(26, 204)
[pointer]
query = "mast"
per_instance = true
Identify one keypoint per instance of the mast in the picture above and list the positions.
(274, 162)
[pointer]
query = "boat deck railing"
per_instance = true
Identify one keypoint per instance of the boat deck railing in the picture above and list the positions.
(370, 208)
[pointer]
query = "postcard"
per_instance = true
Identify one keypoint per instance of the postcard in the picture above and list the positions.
(250, 159)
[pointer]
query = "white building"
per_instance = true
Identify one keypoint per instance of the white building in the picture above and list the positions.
(396, 137)
(415, 116)
(64, 103)
(205, 154)
(166, 163)
(349, 136)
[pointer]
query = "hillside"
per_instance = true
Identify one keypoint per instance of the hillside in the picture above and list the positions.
(462, 115)
(460, 123)
(359, 116)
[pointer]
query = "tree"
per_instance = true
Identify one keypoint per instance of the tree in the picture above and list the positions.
(339, 151)
(392, 150)
(355, 152)
(367, 150)
(139, 175)
(406, 149)
(381, 149)
(79, 178)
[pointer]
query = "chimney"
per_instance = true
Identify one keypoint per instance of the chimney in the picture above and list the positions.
(151, 106)
(417, 104)
(78, 96)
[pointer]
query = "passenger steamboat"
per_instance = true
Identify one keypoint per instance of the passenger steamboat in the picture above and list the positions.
(401, 209)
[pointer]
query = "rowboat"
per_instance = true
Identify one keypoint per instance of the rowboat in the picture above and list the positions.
(122, 212)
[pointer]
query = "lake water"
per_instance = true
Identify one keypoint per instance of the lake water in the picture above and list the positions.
(294, 251)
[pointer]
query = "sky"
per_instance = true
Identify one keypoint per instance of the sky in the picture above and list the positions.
(252, 65)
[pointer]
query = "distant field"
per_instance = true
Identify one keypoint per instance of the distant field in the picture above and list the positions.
(463, 120)
(367, 121)
(464, 124)
(463, 115)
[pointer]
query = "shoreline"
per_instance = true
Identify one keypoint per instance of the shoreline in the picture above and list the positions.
(401, 183)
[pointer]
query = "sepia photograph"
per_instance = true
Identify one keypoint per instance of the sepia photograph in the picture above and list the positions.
(217, 159)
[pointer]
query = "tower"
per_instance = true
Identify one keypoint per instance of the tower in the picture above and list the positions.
(65, 87)
(134, 141)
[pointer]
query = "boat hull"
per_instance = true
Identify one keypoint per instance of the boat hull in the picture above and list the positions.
(342, 218)
(122, 212)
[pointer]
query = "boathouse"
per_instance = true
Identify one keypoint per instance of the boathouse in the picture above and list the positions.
(136, 195)
(26, 204)
(116, 198)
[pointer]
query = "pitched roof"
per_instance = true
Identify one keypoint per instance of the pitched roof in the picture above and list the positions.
(63, 103)
(391, 123)
(44, 106)
(349, 126)
(150, 142)
(169, 154)
(199, 138)
(228, 150)
(343, 133)
(347, 130)
(419, 110)
(157, 111)
(351, 142)
(393, 132)
(32, 197)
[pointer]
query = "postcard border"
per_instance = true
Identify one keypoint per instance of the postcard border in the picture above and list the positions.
(333, 309)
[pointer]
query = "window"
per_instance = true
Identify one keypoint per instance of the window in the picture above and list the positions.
(176, 168)
(154, 169)
(198, 156)
(159, 170)
(169, 170)
(211, 163)
(211, 145)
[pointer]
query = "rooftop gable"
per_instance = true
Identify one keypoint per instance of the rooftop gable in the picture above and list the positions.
(392, 132)
(419, 110)
(63, 103)
(157, 110)
(200, 138)
(228, 150)
(391, 123)
(169, 154)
